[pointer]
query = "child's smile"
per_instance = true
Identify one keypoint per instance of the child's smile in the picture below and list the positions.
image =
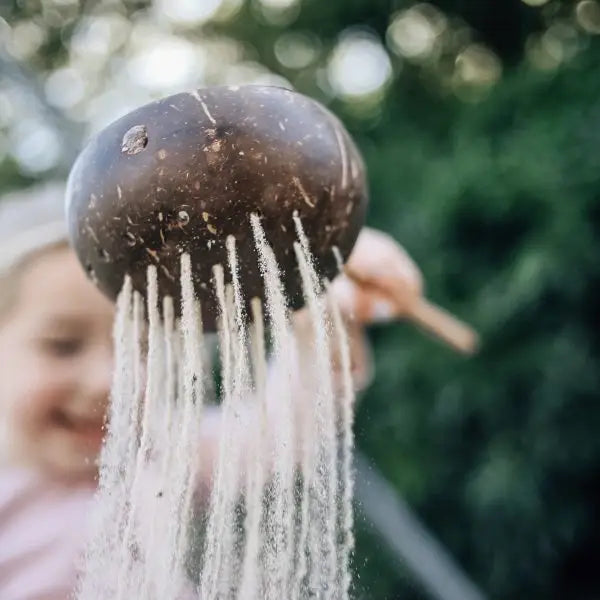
(58, 333)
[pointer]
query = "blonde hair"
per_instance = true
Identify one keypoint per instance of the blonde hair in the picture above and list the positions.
(31, 221)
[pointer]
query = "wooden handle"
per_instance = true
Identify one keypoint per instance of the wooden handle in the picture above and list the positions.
(428, 316)
(445, 326)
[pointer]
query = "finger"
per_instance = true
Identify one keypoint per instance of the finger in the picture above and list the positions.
(379, 258)
(364, 303)
(397, 290)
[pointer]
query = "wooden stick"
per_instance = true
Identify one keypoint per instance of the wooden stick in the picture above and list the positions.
(428, 316)
(444, 325)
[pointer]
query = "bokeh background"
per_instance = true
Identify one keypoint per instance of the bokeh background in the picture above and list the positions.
(480, 124)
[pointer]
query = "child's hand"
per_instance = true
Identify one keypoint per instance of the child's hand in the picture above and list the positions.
(381, 282)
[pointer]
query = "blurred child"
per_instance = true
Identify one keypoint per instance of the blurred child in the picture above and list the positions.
(55, 375)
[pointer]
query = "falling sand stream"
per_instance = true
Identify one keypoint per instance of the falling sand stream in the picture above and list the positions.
(277, 522)
(212, 217)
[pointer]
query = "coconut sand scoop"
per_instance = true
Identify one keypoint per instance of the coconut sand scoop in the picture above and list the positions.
(225, 209)
(185, 173)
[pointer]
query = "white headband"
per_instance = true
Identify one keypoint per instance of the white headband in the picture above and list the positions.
(30, 220)
(26, 242)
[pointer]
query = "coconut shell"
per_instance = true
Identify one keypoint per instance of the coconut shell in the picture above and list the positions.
(183, 173)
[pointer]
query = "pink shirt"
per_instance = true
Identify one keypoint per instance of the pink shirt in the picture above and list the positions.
(42, 532)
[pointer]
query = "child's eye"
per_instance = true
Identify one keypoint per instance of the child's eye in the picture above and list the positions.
(62, 347)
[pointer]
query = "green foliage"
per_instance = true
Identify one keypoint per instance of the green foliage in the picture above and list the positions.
(500, 453)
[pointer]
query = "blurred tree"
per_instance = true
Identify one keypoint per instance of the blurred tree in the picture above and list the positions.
(499, 453)
(494, 190)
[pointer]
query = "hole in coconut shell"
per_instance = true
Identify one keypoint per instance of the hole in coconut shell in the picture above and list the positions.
(134, 140)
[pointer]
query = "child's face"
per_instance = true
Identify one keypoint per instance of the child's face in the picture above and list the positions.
(55, 366)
